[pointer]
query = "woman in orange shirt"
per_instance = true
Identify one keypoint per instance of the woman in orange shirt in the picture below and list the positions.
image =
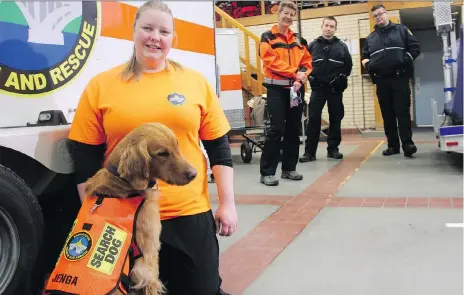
(151, 88)
(286, 65)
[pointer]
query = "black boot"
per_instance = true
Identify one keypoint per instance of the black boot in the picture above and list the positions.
(391, 151)
(409, 150)
(335, 155)
(307, 158)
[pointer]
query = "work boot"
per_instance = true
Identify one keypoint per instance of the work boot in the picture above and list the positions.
(307, 158)
(335, 155)
(409, 150)
(269, 180)
(292, 175)
(391, 151)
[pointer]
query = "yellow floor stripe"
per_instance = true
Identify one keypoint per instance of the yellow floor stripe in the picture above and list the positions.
(373, 151)
(357, 169)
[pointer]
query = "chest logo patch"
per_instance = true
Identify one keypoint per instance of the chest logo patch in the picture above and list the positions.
(78, 246)
(176, 99)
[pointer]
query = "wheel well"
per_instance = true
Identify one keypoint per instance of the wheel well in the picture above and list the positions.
(36, 175)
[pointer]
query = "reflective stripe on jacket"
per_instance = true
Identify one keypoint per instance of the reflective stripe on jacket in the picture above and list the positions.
(98, 253)
(283, 55)
(390, 49)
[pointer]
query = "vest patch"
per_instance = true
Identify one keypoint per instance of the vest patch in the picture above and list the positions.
(108, 249)
(77, 246)
(62, 278)
(176, 99)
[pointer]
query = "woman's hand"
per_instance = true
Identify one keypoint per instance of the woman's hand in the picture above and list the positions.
(296, 85)
(301, 76)
(226, 219)
(226, 214)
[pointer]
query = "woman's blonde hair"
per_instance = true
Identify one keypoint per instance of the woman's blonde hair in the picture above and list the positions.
(288, 4)
(133, 69)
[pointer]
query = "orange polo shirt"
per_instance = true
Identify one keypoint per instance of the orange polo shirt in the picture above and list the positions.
(182, 99)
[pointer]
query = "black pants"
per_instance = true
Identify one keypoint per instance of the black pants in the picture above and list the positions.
(189, 255)
(395, 104)
(336, 113)
(286, 122)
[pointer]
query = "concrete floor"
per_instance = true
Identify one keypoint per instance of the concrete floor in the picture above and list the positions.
(247, 175)
(365, 225)
(398, 176)
(370, 251)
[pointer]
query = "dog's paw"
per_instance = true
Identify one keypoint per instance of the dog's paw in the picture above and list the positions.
(145, 279)
(140, 276)
(155, 288)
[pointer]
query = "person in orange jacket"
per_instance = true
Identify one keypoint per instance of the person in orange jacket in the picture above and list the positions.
(286, 66)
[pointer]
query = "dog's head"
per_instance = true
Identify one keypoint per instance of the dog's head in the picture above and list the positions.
(151, 152)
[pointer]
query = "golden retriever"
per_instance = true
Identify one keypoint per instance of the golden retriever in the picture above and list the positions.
(148, 153)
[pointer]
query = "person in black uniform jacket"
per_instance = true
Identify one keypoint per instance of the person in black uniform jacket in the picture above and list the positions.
(332, 64)
(388, 55)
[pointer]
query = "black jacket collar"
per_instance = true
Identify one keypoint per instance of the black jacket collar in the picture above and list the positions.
(323, 40)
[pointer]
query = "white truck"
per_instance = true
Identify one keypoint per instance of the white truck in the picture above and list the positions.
(448, 127)
(48, 53)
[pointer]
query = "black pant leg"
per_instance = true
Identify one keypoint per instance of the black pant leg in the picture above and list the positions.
(316, 105)
(291, 142)
(278, 101)
(402, 106)
(336, 113)
(385, 96)
(189, 255)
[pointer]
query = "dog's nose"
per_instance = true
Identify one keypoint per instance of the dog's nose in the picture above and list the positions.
(191, 174)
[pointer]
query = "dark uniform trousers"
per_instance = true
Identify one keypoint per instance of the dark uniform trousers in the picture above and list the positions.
(394, 97)
(336, 113)
(286, 122)
(189, 255)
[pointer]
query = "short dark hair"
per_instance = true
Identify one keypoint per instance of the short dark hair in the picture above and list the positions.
(330, 18)
(377, 6)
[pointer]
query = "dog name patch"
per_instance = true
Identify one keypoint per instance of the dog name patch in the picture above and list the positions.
(106, 253)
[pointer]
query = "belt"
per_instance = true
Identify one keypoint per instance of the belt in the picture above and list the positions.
(271, 81)
(397, 73)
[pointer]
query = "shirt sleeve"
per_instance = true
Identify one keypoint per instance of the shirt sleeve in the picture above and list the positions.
(214, 123)
(307, 62)
(87, 158)
(218, 151)
(412, 45)
(348, 60)
(87, 126)
(365, 49)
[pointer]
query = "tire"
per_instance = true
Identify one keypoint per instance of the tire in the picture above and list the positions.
(21, 231)
(245, 152)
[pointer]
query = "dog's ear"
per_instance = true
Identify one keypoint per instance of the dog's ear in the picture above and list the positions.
(134, 165)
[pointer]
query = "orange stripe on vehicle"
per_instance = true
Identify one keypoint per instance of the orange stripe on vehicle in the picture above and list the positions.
(118, 19)
(231, 82)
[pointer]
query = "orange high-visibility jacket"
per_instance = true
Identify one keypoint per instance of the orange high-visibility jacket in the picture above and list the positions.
(100, 249)
(284, 55)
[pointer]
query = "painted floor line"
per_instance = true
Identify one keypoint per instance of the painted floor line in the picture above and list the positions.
(455, 225)
(357, 169)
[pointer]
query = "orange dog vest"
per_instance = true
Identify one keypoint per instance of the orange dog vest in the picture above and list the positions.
(100, 249)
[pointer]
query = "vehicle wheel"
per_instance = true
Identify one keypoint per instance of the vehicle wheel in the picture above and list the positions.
(21, 230)
(246, 152)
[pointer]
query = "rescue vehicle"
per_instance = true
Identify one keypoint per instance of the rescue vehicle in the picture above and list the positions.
(48, 53)
(449, 126)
